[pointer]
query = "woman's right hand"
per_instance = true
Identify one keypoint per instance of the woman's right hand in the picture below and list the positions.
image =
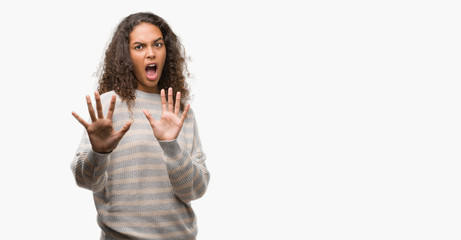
(101, 132)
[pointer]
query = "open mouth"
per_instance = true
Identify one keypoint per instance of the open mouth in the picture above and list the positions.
(151, 71)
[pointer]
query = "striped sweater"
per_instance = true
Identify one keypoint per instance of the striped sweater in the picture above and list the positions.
(143, 189)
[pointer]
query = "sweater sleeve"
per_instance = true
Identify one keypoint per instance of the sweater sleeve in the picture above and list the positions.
(89, 167)
(187, 171)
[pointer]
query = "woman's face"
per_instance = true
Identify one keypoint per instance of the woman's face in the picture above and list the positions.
(148, 53)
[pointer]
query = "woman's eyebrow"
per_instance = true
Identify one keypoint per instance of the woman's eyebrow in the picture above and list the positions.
(158, 39)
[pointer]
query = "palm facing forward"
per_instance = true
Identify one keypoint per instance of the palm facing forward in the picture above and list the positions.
(170, 124)
(100, 131)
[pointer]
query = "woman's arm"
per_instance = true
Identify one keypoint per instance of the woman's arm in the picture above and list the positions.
(91, 159)
(89, 167)
(187, 171)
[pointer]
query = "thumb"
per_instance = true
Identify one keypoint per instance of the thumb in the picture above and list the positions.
(149, 117)
(125, 129)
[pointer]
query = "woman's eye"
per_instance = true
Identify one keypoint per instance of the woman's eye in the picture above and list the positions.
(139, 47)
(158, 45)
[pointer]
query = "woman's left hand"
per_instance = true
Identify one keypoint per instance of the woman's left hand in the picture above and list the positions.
(170, 124)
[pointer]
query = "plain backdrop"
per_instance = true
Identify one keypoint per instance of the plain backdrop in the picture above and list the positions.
(320, 119)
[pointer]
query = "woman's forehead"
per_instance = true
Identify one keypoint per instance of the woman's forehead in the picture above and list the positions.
(145, 32)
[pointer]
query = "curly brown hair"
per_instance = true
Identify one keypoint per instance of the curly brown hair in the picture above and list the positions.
(117, 73)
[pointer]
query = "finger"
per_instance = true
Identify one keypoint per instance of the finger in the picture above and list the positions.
(98, 104)
(110, 113)
(162, 96)
(90, 108)
(148, 116)
(83, 122)
(184, 114)
(125, 129)
(177, 104)
(170, 99)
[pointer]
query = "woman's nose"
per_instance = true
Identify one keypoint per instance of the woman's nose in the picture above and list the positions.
(150, 52)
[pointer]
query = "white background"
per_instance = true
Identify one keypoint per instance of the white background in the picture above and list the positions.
(321, 120)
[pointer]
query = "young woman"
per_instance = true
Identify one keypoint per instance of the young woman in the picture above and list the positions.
(141, 154)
